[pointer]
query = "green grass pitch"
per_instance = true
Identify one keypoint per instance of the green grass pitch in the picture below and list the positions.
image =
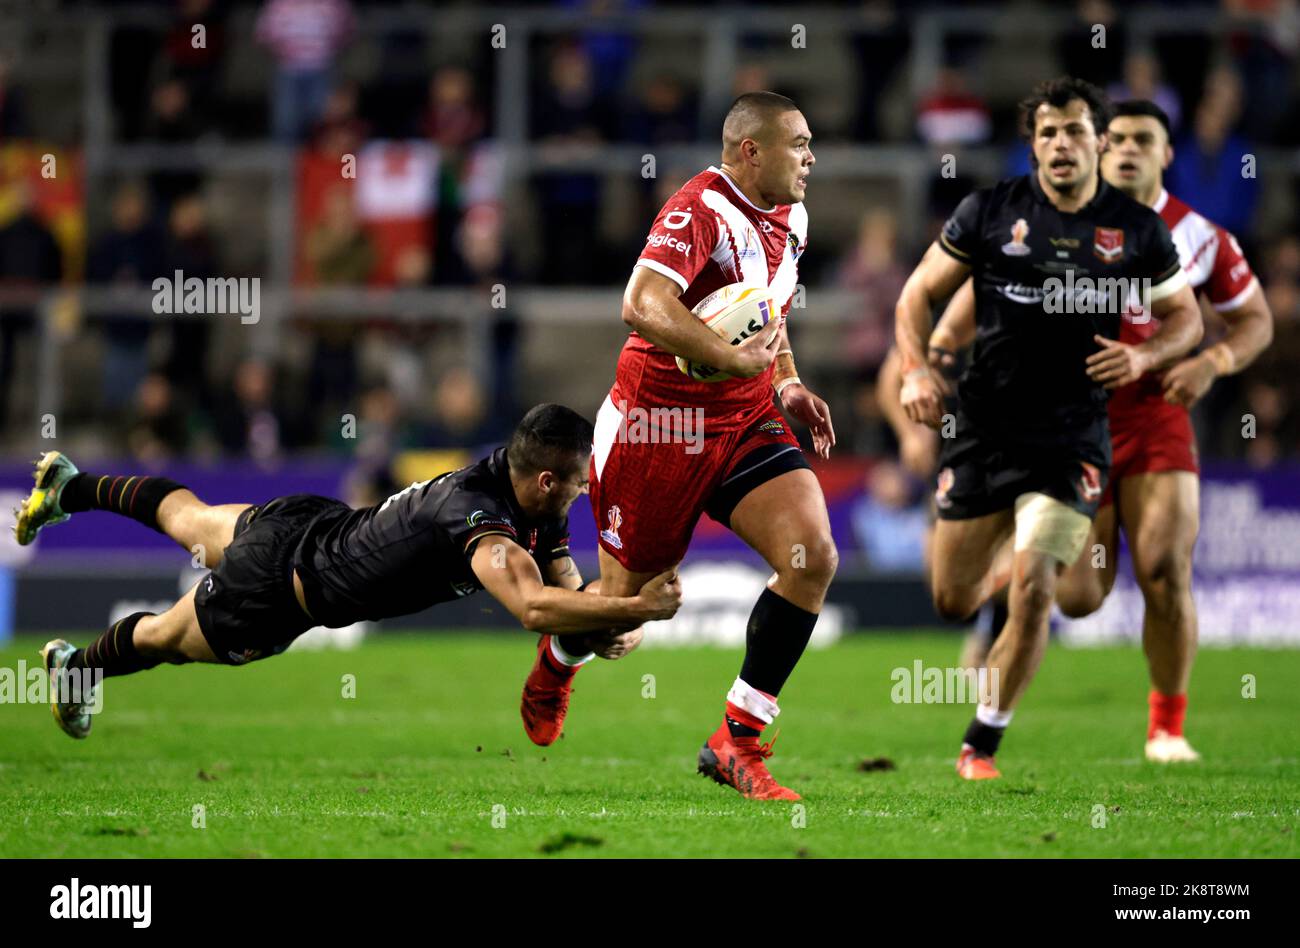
(430, 754)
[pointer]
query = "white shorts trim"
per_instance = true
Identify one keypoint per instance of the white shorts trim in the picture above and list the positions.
(609, 420)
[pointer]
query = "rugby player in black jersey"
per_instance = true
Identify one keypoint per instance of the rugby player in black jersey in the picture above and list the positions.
(295, 562)
(1057, 256)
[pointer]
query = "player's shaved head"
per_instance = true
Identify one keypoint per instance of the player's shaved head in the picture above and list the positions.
(752, 115)
(549, 438)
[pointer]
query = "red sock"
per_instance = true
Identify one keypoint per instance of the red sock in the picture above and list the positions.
(1167, 712)
(555, 667)
(744, 718)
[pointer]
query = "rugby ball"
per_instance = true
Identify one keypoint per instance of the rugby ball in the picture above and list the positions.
(735, 313)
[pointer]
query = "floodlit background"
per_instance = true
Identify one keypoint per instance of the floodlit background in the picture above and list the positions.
(443, 202)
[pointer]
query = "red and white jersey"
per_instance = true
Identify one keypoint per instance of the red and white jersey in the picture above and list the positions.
(707, 236)
(1215, 266)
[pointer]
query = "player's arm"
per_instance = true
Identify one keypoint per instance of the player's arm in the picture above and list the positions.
(1250, 332)
(510, 574)
(955, 329)
(562, 572)
(918, 446)
(652, 308)
(609, 643)
(799, 400)
(1118, 363)
(935, 278)
(1170, 300)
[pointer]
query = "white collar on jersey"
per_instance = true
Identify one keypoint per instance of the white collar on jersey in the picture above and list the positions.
(1161, 201)
(727, 178)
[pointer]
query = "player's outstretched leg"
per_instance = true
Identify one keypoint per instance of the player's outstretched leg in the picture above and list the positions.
(157, 502)
(785, 520)
(545, 700)
(1161, 513)
(136, 643)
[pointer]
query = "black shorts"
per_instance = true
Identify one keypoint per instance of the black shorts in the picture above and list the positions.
(755, 468)
(982, 473)
(246, 606)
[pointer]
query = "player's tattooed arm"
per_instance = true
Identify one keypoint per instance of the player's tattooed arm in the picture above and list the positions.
(563, 572)
(510, 574)
(652, 308)
(935, 278)
(1117, 363)
(1250, 331)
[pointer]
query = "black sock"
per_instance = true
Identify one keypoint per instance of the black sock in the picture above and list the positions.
(135, 496)
(984, 737)
(575, 644)
(114, 652)
(736, 729)
(777, 635)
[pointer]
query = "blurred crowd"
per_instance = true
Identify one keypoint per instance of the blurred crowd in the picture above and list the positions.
(412, 106)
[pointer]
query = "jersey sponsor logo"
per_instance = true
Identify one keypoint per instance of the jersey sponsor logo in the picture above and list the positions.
(773, 427)
(676, 220)
(1089, 482)
(1016, 246)
(1108, 244)
(751, 245)
(669, 241)
(480, 517)
(1022, 293)
(610, 535)
(796, 248)
(946, 479)
(1069, 243)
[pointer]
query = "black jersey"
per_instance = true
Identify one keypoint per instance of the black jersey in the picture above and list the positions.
(1027, 380)
(413, 550)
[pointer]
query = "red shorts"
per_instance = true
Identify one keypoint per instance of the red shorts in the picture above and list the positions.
(649, 484)
(1156, 437)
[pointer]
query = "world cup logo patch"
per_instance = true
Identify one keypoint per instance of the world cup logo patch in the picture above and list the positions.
(610, 534)
(1016, 247)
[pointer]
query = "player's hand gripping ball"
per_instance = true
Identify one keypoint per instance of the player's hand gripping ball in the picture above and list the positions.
(735, 313)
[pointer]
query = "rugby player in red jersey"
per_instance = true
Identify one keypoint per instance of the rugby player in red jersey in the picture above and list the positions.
(743, 222)
(1153, 493)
